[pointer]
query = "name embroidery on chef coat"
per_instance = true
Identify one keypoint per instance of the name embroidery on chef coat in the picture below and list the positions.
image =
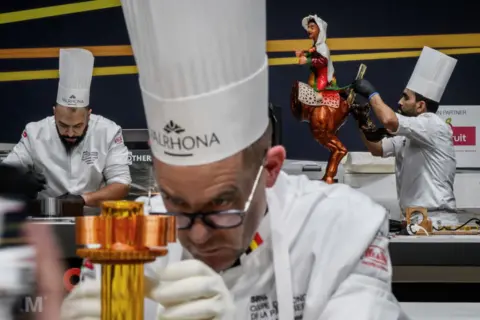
(262, 307)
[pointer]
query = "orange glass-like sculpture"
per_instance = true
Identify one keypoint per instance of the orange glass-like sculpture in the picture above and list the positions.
(127, 240)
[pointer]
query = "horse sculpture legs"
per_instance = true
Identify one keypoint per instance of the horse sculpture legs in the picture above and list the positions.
(324, 122)
(337, 152)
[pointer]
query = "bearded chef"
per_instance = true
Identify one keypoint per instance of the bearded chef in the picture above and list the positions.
(78, 155)
(422, 143)
(256, 243)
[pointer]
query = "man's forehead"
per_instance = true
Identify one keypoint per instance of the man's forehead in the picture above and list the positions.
(409, 93)
(210, 178)
(66, 114)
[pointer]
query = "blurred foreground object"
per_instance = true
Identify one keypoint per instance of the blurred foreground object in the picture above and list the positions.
(15, 182)
(30, 266)
(49, 269)
(128, 239)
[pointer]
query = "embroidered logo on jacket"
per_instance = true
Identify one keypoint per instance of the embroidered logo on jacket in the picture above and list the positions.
(119, 139)
(89, 157)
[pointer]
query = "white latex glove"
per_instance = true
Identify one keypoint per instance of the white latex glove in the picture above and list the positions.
(84, 302)
(190, 290)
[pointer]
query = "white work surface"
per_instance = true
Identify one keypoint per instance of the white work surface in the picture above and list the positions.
(436, 239)
(441, 311)
(382, 188)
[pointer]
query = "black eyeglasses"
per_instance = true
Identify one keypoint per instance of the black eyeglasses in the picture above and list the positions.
(218, 219)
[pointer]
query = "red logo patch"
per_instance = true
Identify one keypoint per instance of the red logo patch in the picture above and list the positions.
(119, 140)
(24, 134)
(375, 257)
(463, 136)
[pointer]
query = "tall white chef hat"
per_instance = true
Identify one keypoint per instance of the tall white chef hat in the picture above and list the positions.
(431, 74)
(203, 75)
(76, 70)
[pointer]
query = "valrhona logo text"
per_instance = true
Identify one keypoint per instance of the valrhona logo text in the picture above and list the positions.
(72, 100)
(176, 141)
(463, 136)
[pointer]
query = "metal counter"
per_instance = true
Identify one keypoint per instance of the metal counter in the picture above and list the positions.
(461, 251)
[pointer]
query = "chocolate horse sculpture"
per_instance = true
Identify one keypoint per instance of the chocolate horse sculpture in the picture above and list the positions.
(326, 117)
(321, 102)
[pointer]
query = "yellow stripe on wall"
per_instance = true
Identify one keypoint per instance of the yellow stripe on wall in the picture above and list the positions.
(53, 74)
(53, 11)
(375, 56)
(370, 43)
(120, 70)
(386, 43)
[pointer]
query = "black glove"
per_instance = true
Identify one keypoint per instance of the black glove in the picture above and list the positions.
(363, 87)
(377, 134)
(360, 113)
(72, 198)
(16, 182)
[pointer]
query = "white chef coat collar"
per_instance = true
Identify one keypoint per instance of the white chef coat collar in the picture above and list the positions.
(280, 237)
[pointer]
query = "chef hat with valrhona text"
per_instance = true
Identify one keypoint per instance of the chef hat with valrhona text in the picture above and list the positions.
(431, 74)
(203, 75)
(76, 70)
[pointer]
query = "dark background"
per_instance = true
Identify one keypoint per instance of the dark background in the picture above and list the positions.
(118, 97)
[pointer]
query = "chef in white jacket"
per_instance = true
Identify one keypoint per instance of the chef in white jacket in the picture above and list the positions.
(257, 243)
(422, 142)
(82, 156)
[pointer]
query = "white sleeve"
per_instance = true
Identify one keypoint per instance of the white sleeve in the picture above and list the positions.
(116, 167)
(156, 204)
(391, 146)
(419, 129)
(20, 155)
(366, 293)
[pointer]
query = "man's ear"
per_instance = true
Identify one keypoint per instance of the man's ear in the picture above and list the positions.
(273, 164)
(421, 107)
(53, 109)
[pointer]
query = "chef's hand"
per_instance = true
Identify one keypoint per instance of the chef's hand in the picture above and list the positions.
(83, 302)
(48, 269)
(17, 182)
(189, 289)
(72, 198)
(364, 88)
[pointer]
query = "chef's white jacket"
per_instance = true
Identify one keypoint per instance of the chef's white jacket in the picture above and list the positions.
(101, 158)
(425, 162)
(337, 262)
